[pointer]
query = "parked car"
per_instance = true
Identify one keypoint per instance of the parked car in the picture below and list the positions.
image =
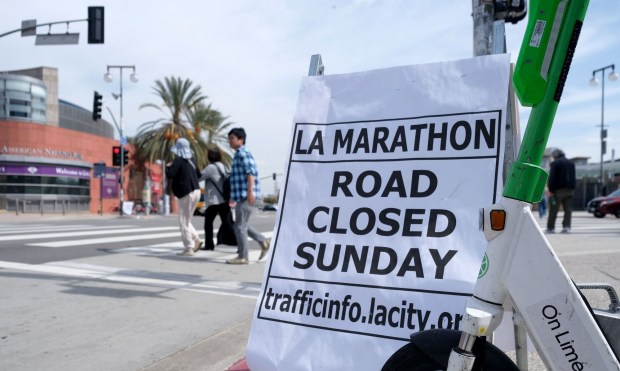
(270, 207)
(601, 206)
(201, 203)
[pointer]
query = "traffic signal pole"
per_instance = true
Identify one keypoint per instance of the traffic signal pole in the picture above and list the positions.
(122, 148)
(134, 78)
(95, 27)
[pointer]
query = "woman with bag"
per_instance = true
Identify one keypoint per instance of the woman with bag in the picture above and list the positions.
(183, 176)
(214, 175)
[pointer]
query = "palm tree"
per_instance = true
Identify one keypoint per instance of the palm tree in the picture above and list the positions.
(212, 126)
(155, 138)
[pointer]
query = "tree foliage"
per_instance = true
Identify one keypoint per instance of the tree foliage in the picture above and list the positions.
(185, 115)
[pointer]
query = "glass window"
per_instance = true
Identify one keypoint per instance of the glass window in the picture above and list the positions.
(38, 117)
(18, 95)
(19, 108)
(38, 91)
(39, 104)
(18, 85)
(26, 179)
(13, 189)
(19, 102)
(18, 114)
(48, 190)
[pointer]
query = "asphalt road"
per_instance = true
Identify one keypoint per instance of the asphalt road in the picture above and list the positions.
(105, 293)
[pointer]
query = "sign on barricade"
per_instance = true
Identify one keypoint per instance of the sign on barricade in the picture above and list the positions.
(377, 234)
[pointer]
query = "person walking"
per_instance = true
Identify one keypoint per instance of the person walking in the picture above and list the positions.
(183, 174)
(542, 205)
(214, 175)
(244, 192)
(561, 186)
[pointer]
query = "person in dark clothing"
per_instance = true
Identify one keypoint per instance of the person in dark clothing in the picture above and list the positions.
(183, 173)
(561, 188)
(214, 175)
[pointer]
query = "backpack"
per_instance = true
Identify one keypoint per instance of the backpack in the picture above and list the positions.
(225, 191)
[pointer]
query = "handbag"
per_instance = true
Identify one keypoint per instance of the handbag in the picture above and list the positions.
(226, 233)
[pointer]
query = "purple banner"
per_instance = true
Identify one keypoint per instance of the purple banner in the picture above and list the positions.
(109, 183)
(45, 170)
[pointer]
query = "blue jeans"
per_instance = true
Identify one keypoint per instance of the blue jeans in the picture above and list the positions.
(243, 210)
(542, 207)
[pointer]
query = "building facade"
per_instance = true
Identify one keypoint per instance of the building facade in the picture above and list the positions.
(48, 148)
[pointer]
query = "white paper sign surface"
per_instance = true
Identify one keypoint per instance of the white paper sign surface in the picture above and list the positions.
(377, 232)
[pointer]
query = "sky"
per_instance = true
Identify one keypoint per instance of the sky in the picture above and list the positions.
(249, 57)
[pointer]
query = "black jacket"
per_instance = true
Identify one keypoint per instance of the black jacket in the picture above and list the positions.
(561, 174)
(183, 176)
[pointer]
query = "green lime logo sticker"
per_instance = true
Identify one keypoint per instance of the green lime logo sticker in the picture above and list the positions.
(484, 267)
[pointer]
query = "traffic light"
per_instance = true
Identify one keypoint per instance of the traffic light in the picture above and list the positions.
(97, 106)
(116, 156)
(125, 156)
(95, 25)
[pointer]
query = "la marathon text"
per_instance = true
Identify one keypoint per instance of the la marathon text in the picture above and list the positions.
(424, 137)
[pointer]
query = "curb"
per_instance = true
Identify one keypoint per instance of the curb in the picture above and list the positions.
(240, 365)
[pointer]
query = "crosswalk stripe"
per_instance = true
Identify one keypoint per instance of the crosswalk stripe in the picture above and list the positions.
(588, 252)
(4, 226)
(57, 228)
(83, 233)
(94, 241)
(146, 278)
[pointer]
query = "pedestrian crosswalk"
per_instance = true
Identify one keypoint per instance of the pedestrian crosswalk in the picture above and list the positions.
(585, 224)
(116, 255)
(140, 277)
(119, 239)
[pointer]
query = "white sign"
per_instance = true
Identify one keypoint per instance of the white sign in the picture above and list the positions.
(377, 235)
(127, 207)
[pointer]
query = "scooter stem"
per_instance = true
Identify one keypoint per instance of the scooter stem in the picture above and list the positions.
(540, 74)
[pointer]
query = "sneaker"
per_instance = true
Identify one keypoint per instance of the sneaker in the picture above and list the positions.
(197, 245)
(237, 261)
(264, 247)
(186, 253)
(565, 230)
(550, 230)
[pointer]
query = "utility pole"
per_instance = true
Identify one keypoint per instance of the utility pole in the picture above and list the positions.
(123, 140)
(483, 13)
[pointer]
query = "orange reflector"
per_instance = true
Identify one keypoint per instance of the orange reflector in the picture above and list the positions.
(498, 220)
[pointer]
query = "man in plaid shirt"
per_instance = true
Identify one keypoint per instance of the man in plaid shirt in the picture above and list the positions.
(244, 191)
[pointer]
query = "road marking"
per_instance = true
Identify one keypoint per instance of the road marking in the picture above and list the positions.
(56, 228)
(83, 233)
(588, 252)
(94, 241)
(139, 277)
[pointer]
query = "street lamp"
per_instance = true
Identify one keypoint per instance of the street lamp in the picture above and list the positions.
(134, 78)
(594, 82)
